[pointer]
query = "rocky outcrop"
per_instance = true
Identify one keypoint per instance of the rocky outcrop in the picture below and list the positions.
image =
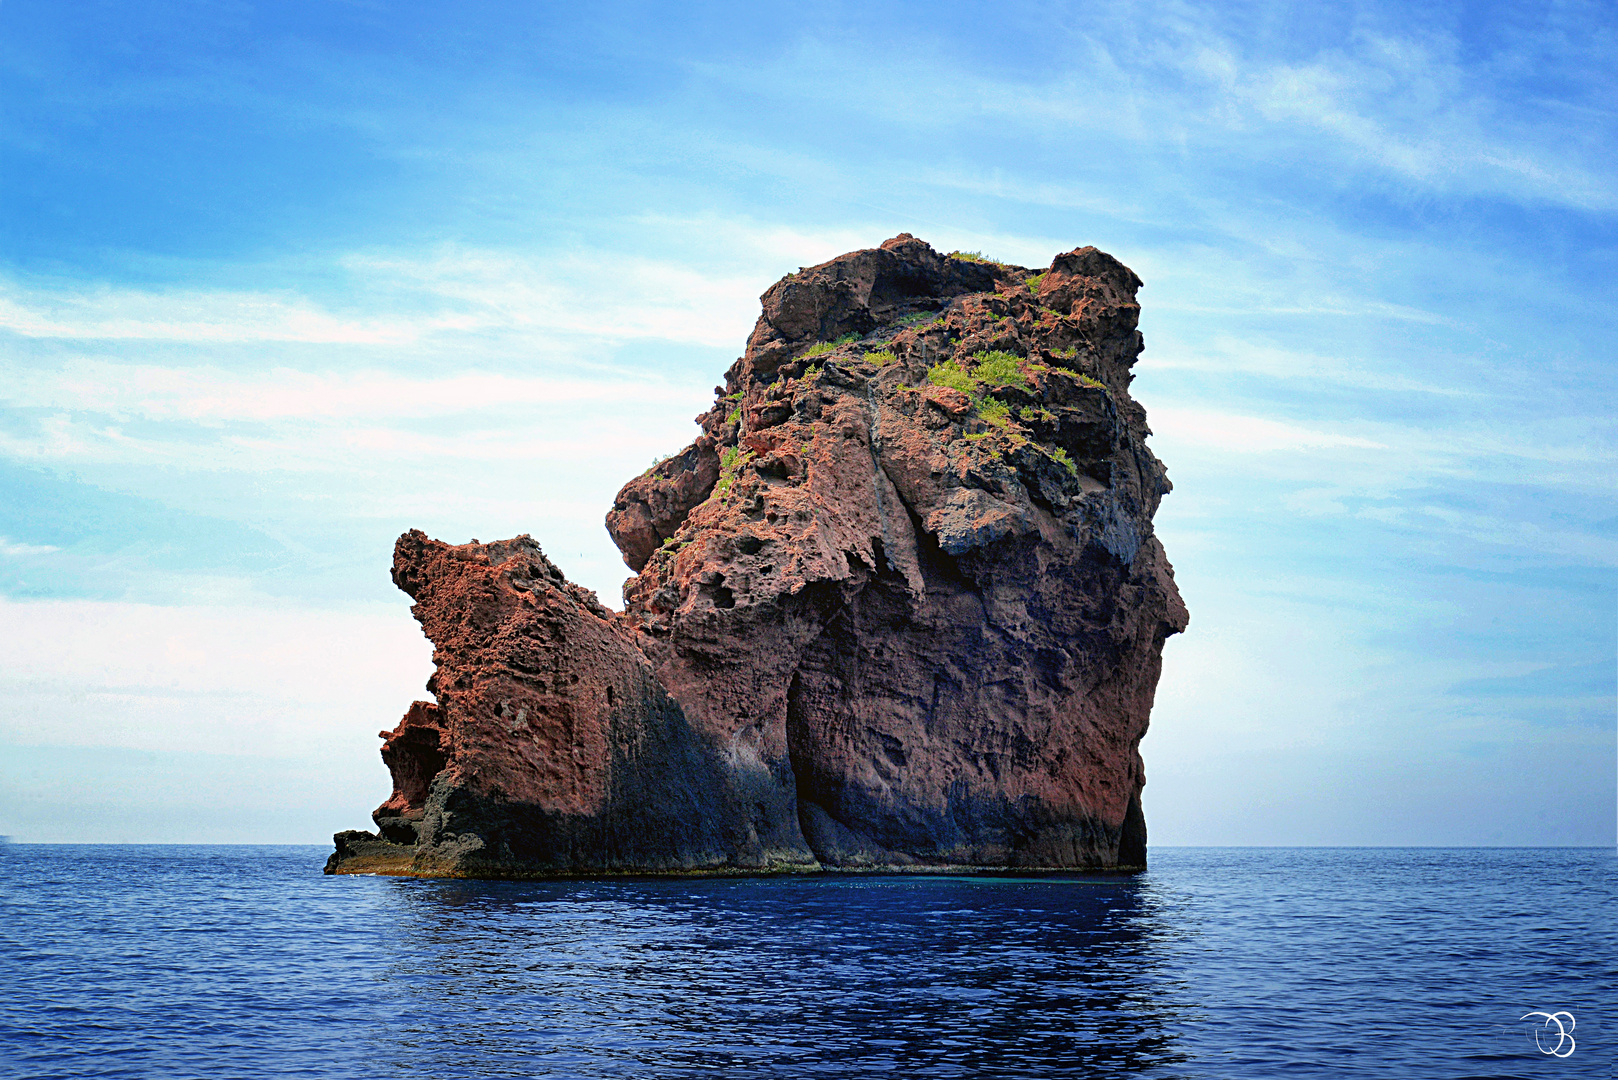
(899, 605)
(551, 748)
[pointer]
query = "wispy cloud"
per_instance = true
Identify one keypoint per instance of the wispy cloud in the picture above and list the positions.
(1250, 434)
(211, 395)
(1513, 537)
(414, 298)
(122, 314)
(617, 298)
(301, 422)
(706, 295)
(12, 549)
(205, 678)
(1402, 104)
(1224, 355)
(1383, 99)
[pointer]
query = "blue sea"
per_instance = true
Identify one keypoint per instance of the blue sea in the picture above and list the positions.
(1219, 962)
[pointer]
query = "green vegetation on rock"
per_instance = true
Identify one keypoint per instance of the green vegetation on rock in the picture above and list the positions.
(731, 461)
(999, 366)
(821, 348)
(996, 367)
(949, 373)
(1073, 354)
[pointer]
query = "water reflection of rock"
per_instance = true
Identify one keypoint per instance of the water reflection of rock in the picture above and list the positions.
(842, 977)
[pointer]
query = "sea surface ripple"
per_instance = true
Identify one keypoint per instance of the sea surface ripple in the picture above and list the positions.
(213, 961)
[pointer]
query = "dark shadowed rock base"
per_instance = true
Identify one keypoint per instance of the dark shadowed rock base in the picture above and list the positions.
(898, 607)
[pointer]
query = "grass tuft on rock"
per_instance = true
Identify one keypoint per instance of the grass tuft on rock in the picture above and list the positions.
(731, 461)
(821, 348)
(995, 411)
(949, 373)
(999, 366)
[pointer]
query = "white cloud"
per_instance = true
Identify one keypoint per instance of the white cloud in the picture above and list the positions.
(1511, 536)
(614, 298)
(225, 680)
(1223, 354)
(355, 423)
(756, 251)
(560, 302)
(213, 317)
(12, 549)
(213, 395)
(414, 298)
(1400, 105)
(1248, 434)
(1390, 101)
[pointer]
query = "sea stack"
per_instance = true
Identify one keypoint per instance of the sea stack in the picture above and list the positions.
(899, 606)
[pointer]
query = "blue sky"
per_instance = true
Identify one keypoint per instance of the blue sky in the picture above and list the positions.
(278, 282)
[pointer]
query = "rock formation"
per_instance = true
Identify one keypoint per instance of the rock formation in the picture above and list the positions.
(898, 606)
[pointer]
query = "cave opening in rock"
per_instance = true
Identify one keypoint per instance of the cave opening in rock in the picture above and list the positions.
(415, 758)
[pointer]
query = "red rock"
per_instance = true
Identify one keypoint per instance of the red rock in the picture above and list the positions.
(876, 622)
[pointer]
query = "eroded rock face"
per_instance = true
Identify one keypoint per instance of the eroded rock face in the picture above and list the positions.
(898, 605)
(551, 748)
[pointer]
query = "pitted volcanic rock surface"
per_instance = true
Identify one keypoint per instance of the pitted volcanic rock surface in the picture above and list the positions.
(898, 606)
